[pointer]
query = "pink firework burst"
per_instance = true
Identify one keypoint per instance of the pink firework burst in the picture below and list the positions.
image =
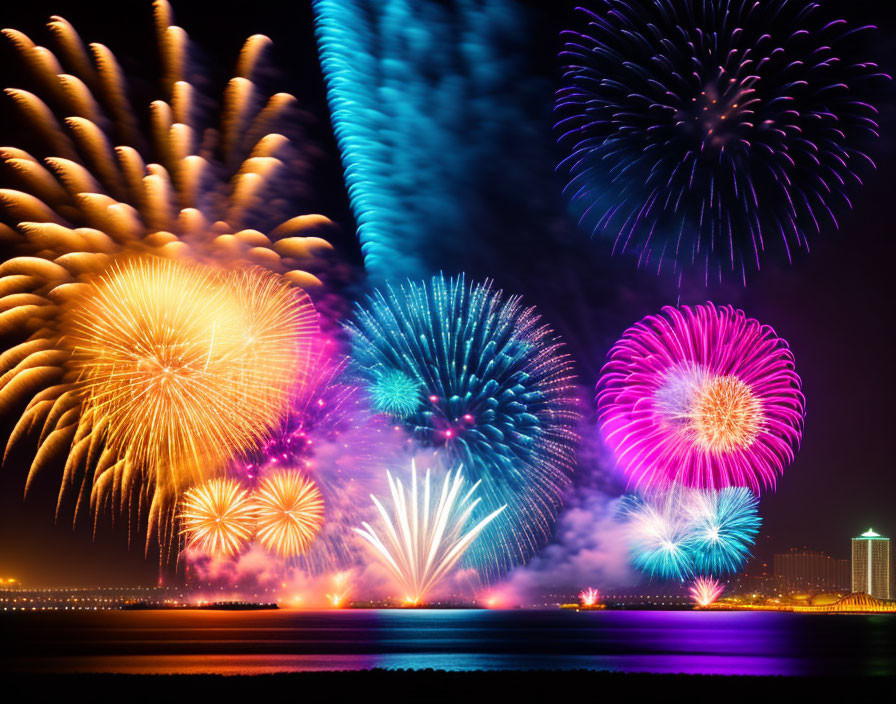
(705, 590)
(701, 396)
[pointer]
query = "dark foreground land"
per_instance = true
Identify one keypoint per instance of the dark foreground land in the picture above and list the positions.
(436, 686)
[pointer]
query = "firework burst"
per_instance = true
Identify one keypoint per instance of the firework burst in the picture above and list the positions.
(169, 368)
(680, 531)
(99, 192)
(705, 591)
(703, 133)
(89, 205)
(289, 510)
(702, 396)
(476, 375)
(659, 534)
(427, 532)
(217, 518)
(724, 528)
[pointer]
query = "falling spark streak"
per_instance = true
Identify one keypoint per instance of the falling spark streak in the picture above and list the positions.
(422, 542)
(705, 590)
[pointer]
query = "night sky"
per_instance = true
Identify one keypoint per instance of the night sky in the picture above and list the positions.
(834, 306)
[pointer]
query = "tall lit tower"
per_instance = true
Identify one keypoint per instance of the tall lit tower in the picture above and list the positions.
(871, 564)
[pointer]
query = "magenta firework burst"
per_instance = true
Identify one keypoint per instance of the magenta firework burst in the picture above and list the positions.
(702, 396)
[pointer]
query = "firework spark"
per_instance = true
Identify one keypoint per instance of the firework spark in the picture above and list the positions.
(479, 377)
(217, 518)
(290, 512)
(436, 94)
(704, 133)
(677, 532)
(589, 596)
(702, 396)
(426, 535)
(705, 591)
(90, 205)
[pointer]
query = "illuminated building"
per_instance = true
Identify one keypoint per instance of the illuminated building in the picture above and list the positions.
(801, 570)
(871, 564)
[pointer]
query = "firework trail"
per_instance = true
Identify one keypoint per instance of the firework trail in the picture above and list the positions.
(494, 392)
(217, 518)
(702, 396)
(289, 510)
(179, 192)
(426, 534)
(589, 596)
(705, 591)
(677, 532)
(427, 101)
(702, 134)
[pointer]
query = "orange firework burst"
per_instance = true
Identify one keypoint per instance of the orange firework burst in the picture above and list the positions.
(290, 512)
(217, 518)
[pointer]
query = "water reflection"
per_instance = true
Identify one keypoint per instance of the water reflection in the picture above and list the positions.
(281, 641)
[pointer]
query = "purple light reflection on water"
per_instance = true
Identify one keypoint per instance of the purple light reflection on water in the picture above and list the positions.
(726, 643)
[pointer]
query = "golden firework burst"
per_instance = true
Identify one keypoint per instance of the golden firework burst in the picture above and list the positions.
(290, 511)
(107, 193)
(217, 518)
(181, 366)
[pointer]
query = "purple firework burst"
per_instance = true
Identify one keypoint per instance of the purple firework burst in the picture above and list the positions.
(702, 133)
(702, 396)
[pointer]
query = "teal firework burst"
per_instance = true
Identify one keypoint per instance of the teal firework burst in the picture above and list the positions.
(478, 376)
(725, 525)
(679, 532)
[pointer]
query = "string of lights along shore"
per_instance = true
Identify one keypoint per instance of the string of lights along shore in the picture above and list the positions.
(322, 410)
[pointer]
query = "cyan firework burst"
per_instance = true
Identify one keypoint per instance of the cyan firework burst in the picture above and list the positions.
(659, 534)
(725, 525)
(703, 133)
(492, 390)
(680, 532)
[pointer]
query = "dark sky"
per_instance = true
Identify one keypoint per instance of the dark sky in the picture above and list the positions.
(833, 306)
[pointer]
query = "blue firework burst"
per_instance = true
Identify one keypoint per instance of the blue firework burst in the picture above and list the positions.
(493, 392)
(702, 133)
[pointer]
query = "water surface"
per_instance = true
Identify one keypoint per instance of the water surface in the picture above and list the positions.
(254, 642)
